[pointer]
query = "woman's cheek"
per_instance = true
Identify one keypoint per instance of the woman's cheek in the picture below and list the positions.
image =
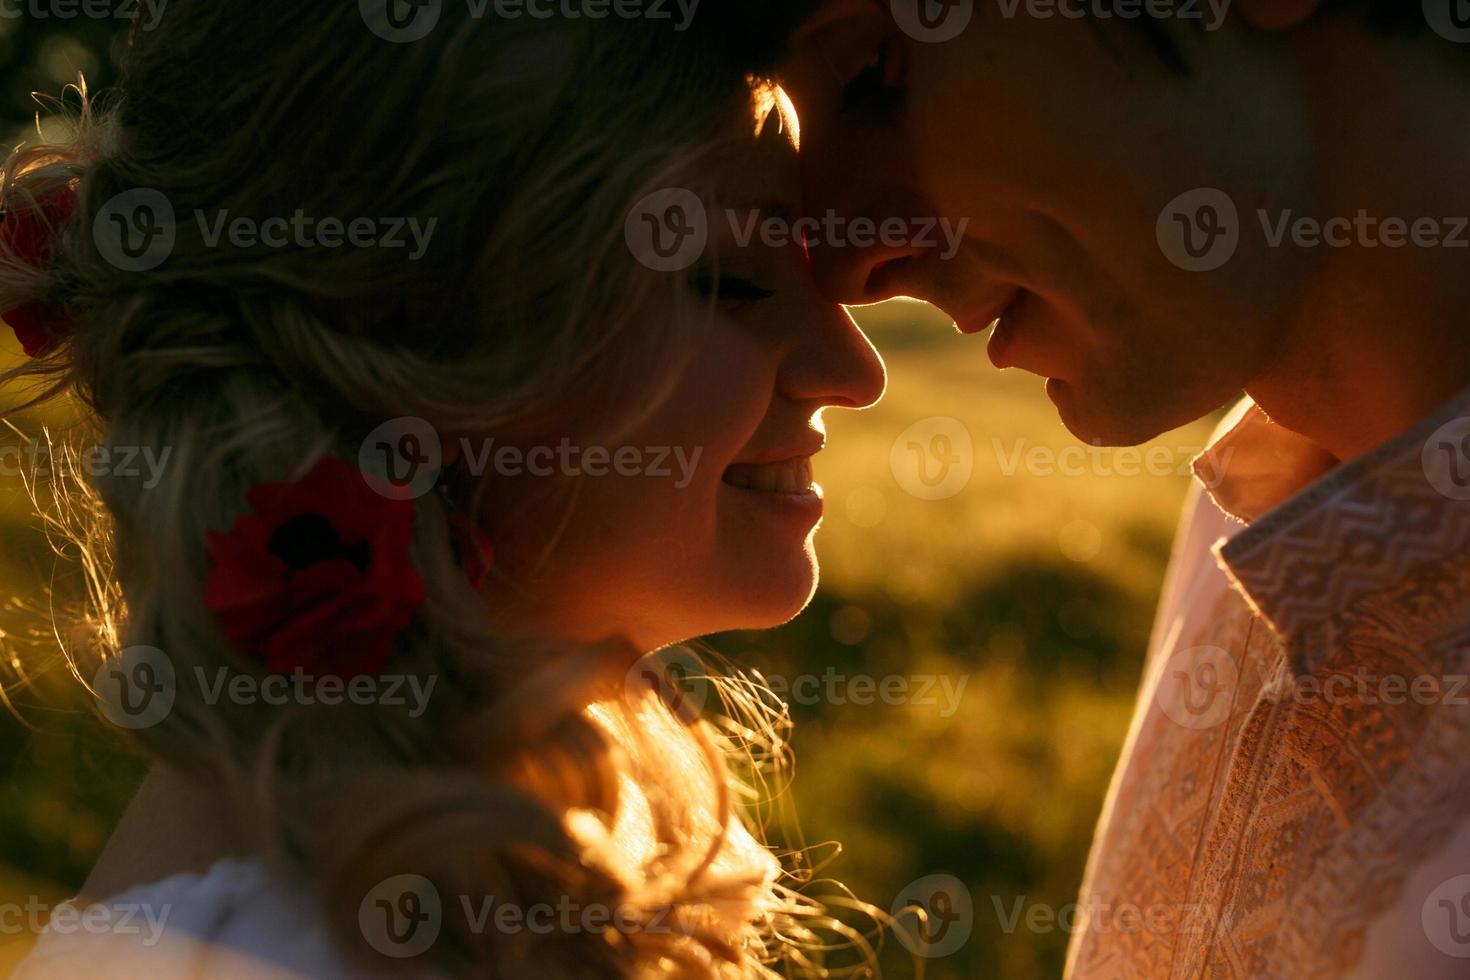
(727, 389)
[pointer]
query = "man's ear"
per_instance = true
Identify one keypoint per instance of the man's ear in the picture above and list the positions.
(1276, 15)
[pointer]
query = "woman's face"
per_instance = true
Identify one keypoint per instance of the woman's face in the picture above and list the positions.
(701, 518)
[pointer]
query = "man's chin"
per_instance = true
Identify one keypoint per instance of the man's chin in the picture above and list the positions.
(1096, 420)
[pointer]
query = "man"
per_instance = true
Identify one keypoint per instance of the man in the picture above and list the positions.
(1169, 203)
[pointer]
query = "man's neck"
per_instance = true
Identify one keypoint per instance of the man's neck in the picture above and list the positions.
(1379, 340)
(1367, 381)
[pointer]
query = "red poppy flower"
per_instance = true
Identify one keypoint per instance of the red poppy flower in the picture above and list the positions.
(29, 235)
(319, 577)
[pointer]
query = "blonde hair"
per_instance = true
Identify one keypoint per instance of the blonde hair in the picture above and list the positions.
(529, 140)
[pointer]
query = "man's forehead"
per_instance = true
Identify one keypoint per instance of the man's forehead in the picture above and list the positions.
(832, 43)
(827, 12)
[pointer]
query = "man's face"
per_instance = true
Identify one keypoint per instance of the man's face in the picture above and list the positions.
(1058, 145)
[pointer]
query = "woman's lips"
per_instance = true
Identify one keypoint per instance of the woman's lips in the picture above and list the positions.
(793, 476)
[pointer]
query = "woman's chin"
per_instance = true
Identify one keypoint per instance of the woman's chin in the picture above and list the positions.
(777, 593)
(731, 596)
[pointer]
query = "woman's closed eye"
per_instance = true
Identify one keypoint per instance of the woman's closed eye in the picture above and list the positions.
(728, 289)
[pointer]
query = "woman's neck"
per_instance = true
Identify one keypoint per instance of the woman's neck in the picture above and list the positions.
(172, 826)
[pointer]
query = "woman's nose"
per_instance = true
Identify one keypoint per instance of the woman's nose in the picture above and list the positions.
(834, 364)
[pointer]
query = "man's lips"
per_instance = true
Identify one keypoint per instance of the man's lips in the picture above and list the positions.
(982, 319)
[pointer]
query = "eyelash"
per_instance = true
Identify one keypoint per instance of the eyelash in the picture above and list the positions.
(730, 289)
(869, 93)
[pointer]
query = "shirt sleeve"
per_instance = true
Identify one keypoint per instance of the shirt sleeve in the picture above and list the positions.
(234, 921)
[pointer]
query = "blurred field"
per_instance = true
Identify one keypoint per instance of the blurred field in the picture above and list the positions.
(1034, 588)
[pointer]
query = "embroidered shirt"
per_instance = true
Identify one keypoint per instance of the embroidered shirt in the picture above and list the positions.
(1293, 799)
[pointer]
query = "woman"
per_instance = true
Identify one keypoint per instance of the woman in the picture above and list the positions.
(384, 476)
